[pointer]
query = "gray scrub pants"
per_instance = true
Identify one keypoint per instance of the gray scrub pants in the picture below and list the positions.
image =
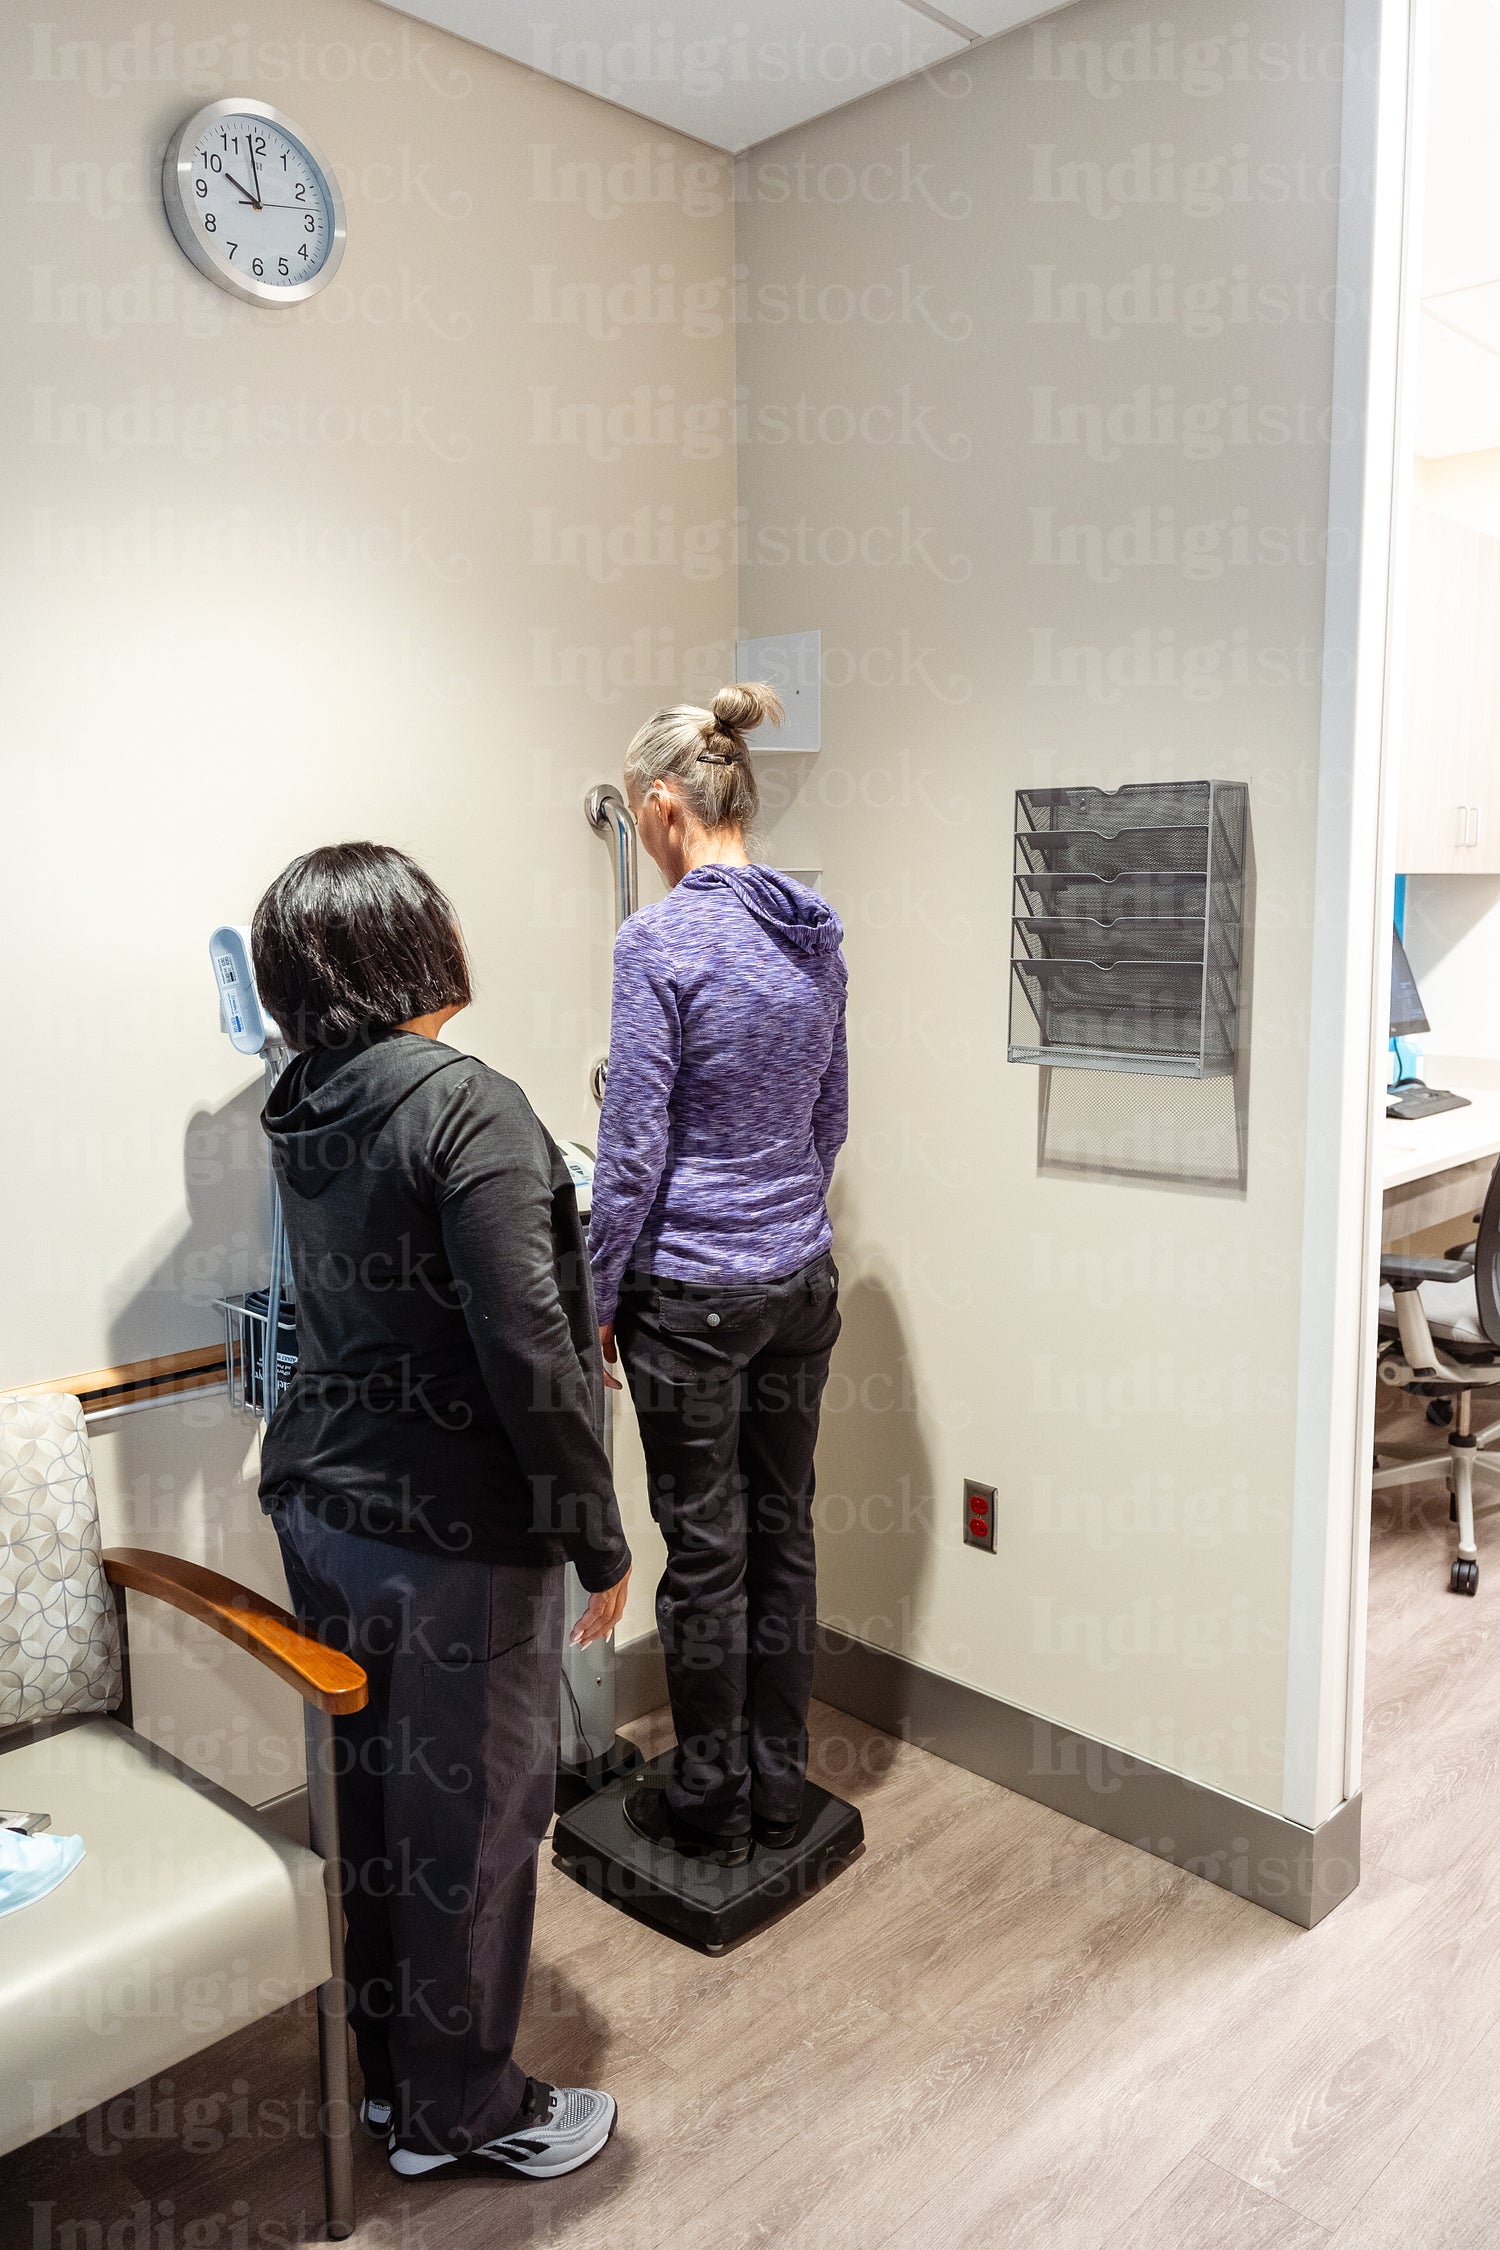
(445, 1790)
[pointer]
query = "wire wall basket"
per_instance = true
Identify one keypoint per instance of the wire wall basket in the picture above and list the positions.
(1127, 927)
(254, 1378)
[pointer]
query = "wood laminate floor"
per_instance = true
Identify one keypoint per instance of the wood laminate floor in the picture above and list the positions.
(997, 2028)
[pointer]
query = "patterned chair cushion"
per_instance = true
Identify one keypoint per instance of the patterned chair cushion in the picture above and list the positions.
(59, 1647)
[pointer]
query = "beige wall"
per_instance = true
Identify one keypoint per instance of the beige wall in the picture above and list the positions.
(1021, 583)
(275, 578)
(271, 579)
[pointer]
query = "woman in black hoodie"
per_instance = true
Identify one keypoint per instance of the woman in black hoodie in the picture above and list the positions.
(435, 1459)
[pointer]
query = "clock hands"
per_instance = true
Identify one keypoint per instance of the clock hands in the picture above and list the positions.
(254, 167)
(256, 202)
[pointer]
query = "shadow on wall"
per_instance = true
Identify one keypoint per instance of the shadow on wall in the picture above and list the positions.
(223, 1250)
(875, 1504)
(1186, 1133)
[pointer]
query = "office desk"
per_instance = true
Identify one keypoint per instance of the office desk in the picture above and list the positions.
(1435, 1170)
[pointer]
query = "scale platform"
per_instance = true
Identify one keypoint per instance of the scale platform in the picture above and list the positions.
(691, 1899)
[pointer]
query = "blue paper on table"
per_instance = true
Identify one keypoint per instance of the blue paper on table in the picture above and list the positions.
(31, 1866)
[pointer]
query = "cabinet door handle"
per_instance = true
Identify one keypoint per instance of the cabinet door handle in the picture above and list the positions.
(1474, 839)
(1463, 826)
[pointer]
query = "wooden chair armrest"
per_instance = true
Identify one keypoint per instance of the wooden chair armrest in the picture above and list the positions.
(322, 1676)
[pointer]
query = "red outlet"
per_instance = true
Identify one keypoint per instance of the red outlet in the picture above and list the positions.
(979, 1515)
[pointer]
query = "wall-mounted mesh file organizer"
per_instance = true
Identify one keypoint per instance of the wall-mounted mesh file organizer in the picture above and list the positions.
(1127, 927)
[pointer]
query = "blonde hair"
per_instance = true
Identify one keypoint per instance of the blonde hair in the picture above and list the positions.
(704, 754)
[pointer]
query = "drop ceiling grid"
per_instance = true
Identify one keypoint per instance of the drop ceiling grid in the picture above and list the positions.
(731, 77)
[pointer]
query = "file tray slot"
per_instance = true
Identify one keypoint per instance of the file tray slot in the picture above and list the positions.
(1127, 927)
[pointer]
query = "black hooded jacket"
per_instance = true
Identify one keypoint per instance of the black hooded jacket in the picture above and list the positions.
(448, 1391)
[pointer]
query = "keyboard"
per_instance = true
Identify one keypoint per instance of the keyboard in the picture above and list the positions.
(1422, 1101)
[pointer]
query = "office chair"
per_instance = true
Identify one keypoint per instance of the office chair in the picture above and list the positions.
(1440, 1340)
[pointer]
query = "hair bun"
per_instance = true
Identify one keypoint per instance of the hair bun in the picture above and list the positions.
(746, 704)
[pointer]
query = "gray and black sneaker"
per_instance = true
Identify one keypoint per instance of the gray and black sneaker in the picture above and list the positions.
(559, 2128)
(375, 2115)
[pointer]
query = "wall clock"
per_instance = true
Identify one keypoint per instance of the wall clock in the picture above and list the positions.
(253, 204)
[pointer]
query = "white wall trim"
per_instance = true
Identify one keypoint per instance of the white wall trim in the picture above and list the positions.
(1407, 330)
(1330, 1480)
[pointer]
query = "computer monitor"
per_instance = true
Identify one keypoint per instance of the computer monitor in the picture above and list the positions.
(1407, 1013)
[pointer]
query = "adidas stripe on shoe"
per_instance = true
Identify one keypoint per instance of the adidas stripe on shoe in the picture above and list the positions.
(559, 2129)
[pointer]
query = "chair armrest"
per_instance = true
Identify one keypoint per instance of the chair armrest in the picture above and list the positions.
(322, 1676)
(1463, 1255)
(1410, 1273)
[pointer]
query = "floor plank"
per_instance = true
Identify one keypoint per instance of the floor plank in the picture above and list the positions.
(1215, 1980)
(1441, 2189)
(1316, 2125)
(1199, 2204)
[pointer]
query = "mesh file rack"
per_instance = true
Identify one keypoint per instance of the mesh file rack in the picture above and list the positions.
(1126, 928)
(247, 1358)
(256, 1371)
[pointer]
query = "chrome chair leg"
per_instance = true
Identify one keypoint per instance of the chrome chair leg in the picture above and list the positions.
(335, 2111)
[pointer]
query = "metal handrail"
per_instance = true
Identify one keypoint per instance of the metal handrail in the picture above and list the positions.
(608, 813)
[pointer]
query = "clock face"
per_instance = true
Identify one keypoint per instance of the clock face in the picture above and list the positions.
(252, 204)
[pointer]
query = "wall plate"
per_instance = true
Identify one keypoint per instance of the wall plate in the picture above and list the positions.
(980, 1503)
(791, 663)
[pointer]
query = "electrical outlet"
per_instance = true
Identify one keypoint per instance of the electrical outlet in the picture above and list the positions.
(980, 1501)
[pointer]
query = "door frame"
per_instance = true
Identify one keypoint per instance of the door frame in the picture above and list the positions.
(1369, 489)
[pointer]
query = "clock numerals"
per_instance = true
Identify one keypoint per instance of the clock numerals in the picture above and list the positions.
(228, 169)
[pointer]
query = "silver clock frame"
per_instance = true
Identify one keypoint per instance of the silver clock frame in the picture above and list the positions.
(177, 196)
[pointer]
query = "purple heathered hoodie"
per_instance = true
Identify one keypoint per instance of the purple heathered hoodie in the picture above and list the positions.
(728, 1091)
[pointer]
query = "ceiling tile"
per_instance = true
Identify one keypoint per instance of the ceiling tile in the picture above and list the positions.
(1461, 211)
(986, 17)
(729, 76)
(1474, 313)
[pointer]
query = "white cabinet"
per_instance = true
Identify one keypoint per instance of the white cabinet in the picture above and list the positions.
(1449, 820)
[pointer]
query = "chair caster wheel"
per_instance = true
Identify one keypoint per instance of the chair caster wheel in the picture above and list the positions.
(1464, 1578)
(1440, 1412)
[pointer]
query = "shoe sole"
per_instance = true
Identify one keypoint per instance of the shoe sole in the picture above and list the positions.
(495, 2168)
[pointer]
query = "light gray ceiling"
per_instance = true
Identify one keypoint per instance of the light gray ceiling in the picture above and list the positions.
(730, 76)
(1458, 383)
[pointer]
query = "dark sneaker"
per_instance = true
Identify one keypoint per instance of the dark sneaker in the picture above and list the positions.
(647, 1811)
(559, 2129)
(375, 2115)
(774, 1835)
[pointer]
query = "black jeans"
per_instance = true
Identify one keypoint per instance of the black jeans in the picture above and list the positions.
(445, 1789)
(727, 1385)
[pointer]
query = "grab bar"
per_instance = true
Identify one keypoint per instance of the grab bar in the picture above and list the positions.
(608, 813)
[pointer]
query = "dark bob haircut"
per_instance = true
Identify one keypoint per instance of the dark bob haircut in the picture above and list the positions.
(353, 939)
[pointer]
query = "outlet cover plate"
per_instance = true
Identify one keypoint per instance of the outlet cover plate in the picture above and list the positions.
(980, 1499)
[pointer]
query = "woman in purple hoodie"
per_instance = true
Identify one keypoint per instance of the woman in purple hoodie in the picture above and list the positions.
(726, 1104)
